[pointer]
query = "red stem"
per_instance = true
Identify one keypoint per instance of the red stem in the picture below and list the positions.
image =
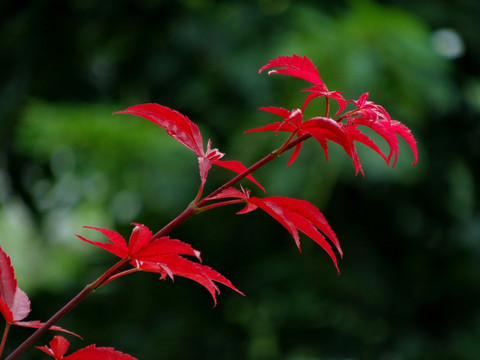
(192, 209)
(273, 155)
(189, 211)
(89, 289)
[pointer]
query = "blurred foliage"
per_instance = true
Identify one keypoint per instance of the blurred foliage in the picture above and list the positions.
(410, 285)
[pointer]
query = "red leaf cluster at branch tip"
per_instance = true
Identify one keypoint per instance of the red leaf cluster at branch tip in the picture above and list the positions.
(14, 302)
(164, 256)
(326, 128)
(59, 345)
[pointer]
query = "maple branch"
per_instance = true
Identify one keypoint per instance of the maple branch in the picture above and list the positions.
(273, 155)
(89, 289)
(194, 207)
(189, 211)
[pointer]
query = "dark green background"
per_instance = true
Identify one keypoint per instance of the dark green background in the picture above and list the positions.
(410, 283)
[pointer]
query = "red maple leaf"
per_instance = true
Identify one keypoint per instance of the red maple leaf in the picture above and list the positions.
(377, 118)
(303, 68)
(59, 345)
(296, 66)
(163, 255)
(187, 133)
(294, 214)
(14, 302)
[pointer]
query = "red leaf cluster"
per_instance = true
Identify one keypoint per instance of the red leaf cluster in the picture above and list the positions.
(58, 347)
(325, 129)
(163, 255)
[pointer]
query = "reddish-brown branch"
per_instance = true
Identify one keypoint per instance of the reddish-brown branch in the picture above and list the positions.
(273, 155)
(192, 208)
